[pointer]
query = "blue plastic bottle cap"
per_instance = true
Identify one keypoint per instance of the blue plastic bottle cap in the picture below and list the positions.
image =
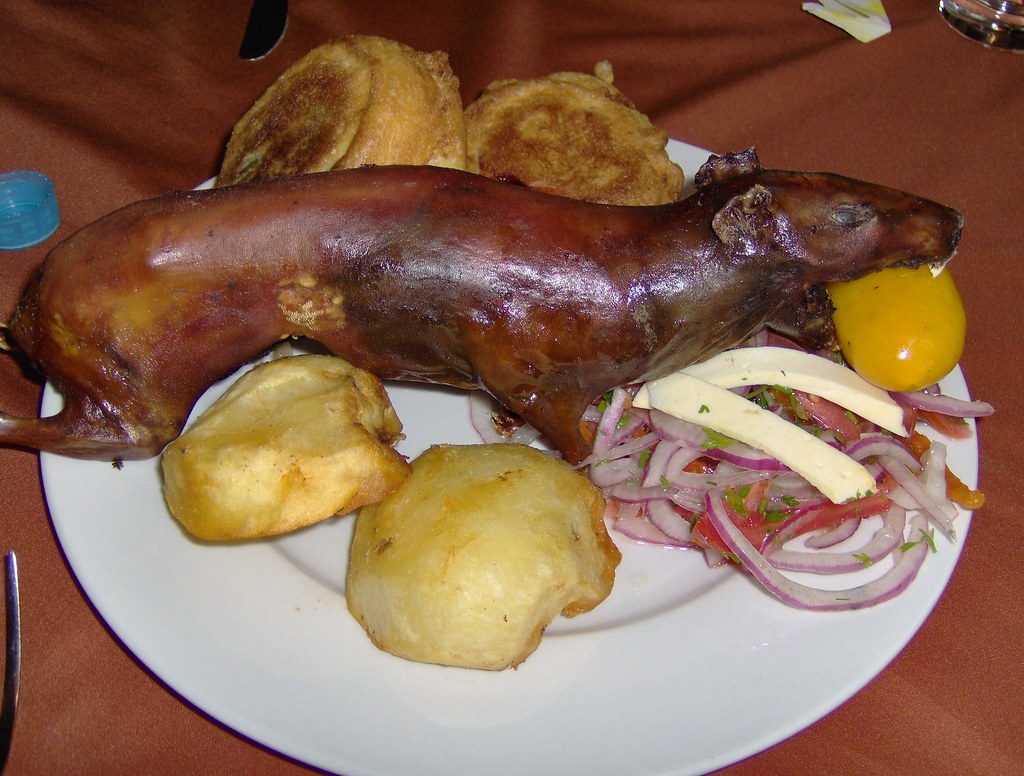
(28, 209)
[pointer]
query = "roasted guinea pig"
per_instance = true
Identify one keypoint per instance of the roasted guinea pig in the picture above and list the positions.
(572, 134)
(357, 100)
(476, 553)
(292, 442)
(432, 274)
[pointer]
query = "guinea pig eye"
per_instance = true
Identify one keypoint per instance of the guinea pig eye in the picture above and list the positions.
(851, 214)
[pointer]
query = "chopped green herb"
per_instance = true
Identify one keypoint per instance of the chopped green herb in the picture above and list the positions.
(714, 440)
(735, 500)
(790, 501)
(760, 396)
(794, 404)
(864, 559)
(926, 536)
(929, 536)
(704, 409)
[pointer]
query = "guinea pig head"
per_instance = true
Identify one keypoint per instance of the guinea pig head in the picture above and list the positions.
(827, 227)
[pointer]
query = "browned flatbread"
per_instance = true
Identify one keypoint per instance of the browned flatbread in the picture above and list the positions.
(358, 100)
(571, 134)
(479, 550)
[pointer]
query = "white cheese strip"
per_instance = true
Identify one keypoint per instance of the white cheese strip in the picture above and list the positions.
(803, 372)
(835, 474)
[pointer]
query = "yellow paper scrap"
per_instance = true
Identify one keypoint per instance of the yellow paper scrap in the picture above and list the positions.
(863, 19)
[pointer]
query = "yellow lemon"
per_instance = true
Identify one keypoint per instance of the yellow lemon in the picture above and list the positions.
(901, 329)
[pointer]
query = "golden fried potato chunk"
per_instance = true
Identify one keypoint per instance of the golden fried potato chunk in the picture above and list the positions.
(357, 100)
(571, 134)
(483, 546)
(292, 442)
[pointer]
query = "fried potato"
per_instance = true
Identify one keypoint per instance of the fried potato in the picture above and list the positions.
(358, 100)
(479, 550)
(571, 134)
(292, 442)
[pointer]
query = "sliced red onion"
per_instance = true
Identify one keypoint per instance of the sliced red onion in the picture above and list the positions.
(623, 450)
(689, 499)
(906, 564)
(705, 482)
(481, 414)
(682, 432)
(665, 518)
(644, 531)
(944, 405)
(657, 465)
(875, 444)
(933, 474)
(886, 539)
(748, 457)
(632, 490)
(899, 496)
(714, 558)
(943, 513)
(830, 537)
(606, 427)
(799, 518)
(795, 488)
(629, 424)
(609, 473)
(681, 458)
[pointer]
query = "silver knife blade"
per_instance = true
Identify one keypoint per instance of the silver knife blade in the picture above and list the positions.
(12, 662)
(265, 28)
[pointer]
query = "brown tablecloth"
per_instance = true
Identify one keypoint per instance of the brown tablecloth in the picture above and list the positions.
(118, 101)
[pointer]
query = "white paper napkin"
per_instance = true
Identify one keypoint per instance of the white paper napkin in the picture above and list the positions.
(863, 19)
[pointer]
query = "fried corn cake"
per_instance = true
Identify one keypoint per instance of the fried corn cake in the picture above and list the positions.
(571, 134)
(358, 100)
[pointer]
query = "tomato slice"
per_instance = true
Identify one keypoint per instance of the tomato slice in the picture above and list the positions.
(828, 414)
(746, 508)
(830, 515)
(953, 427)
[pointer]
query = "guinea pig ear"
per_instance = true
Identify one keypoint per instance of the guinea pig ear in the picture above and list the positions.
(726, 166)
(746, 222)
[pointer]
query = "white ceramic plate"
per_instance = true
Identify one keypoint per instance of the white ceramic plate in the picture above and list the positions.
(682, 670)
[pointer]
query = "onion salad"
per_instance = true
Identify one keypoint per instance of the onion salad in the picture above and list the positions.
(677, 484)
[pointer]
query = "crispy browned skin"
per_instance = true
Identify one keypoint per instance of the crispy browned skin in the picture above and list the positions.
(437, 275)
